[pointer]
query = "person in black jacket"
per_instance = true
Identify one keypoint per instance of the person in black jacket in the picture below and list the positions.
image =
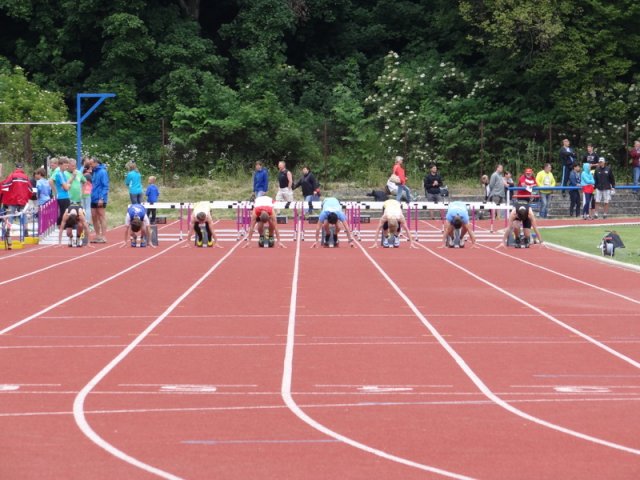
(567, 160)
(432, 183)
(605, 186)
(310, 187)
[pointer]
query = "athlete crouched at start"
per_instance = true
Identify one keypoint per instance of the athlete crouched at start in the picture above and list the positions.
(137, 227)
(521, 221)
(391, 224)
(74, 219)
(331, 220)
(457, 226)
(202, 219)
(263, 215)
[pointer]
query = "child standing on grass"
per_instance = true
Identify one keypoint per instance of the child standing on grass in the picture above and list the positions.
(152, 195)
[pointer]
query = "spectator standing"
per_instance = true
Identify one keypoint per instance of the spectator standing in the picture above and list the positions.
(567, 160)
(260, 180)
(605, 186)
(635, 164)
(508, 180)
(152, 195)
(86, 190)
(99, 199)
(588, 186)
(310, 187)
(61, 183)
(42, 186)
(76, 179)
(497, 186)
(17, 190)
(526, 181)
(432, 183)
(574, 195)
(133, 180)
(591, 157)
(398, 170)
(545, 178)
(285, 183)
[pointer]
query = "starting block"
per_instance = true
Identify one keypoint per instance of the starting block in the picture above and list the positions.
(160, 221)
(154, 234)
(313, 219)
(365, 218)
(282, 219)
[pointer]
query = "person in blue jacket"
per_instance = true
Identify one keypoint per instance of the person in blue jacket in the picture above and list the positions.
(133, 180)
(260, 180)
(99, 200)
(588, 186)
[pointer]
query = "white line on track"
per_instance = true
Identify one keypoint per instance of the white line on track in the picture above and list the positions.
(78, 404)
(548, 316)
(474, 377)
(24, 251)
(326, 405)
(287, 378)
(567, 277)
(49, 267)
(82, 292)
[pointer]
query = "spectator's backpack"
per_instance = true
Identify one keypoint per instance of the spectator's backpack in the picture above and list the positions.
(609, 243)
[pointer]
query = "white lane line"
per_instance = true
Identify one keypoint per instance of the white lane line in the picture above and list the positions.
(474, 377)
(78, 404)
(49, 267)
(82, 292)
(287, 378)
(23, 252)
(548, 316)
(326, 405)
(567, 277)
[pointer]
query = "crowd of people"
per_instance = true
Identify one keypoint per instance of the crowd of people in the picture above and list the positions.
(82, 192)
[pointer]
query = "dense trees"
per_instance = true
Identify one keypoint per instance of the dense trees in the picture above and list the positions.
(343, 83)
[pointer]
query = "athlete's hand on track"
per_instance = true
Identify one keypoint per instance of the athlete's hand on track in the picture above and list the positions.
(247, 245)
(124, 244)
(413, 245)
(281, 245)
(500, 245)
(315, 244)
(375, 245)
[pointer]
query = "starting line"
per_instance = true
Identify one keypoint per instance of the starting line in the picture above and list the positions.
(357, 213)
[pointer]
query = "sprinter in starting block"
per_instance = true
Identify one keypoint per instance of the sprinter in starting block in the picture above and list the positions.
(74, 223)
(518, 232)
(331, 220)
(202, 225)
(392, 224)
(457, 226)
(137, 227)
(264, 215)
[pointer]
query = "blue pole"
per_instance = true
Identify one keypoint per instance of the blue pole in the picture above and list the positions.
(80, 117)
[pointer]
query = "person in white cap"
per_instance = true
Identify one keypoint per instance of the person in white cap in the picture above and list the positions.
(605, 186)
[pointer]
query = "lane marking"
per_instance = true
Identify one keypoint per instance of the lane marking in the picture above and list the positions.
(287, 379)
(473, 376)
(188, 389)
(256, 442)
(329, 406)
(49, 267)
(567, 277)
(78, 403)
(82, 292)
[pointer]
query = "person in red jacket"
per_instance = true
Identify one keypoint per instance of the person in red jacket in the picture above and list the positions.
(17, 190)
(634, 153)
(528, 181)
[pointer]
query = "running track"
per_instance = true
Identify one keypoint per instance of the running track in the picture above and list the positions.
(317, 363)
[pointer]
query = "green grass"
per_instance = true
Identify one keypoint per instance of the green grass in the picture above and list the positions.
(587, 239)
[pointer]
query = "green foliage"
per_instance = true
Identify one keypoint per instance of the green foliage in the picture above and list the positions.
(466, 84)
(24, 101)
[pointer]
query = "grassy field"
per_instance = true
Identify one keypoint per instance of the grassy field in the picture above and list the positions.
(587, 239)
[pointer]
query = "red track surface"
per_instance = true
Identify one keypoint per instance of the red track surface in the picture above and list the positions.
(387, 374)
